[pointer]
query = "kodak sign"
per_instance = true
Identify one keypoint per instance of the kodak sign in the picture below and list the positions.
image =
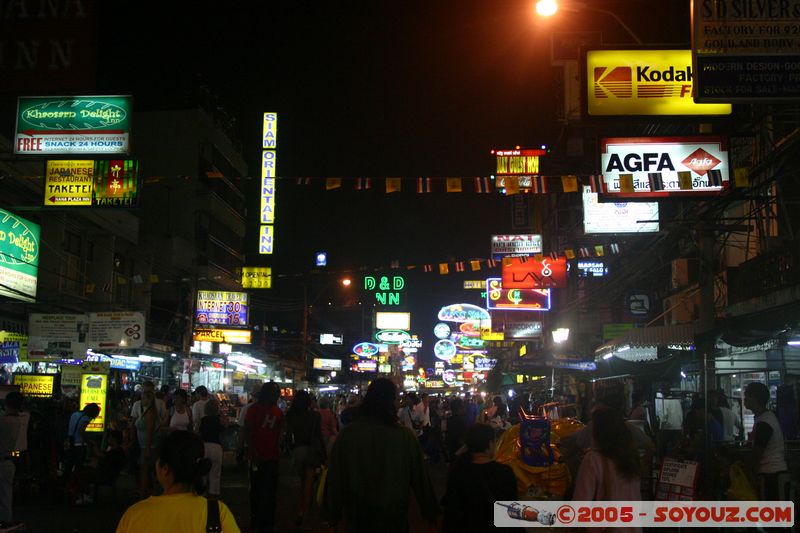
(643, 82)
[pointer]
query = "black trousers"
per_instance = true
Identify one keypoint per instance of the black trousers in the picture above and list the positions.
(263, 494)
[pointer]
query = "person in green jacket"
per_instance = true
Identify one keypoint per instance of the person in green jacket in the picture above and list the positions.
(375, 464)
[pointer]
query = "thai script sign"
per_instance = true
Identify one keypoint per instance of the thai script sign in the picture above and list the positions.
(516, 244)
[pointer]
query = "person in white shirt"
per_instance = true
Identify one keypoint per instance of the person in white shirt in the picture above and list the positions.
(731, 423)
(768, 460)
(199, 406)
(161, 407)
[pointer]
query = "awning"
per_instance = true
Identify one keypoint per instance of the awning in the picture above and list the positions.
(679, 337)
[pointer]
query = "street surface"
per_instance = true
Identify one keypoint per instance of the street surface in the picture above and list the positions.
(102, 516)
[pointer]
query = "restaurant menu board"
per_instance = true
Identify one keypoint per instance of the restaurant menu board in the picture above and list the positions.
(224, 308)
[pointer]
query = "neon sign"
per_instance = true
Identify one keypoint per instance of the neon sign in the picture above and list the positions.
(269, 171)
(441, 330)
(392, 336)
(516, 299)
(385, 290)
(470, 343)
(470, 329)
(365, 349)
(444, 349)
(463, 313)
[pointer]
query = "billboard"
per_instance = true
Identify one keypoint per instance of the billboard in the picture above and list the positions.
(515, 299)
(116, 183)
(85, 182)
(746, 52)
(516, 244)
(68, 182)
(385, 320)
(327, 364)
(256, 278)
(223, 308)
(116, 329)
(330, 339)
(530, 273)
(19, 257)
(228, 336)
(515, 162)
(618, 217)
(654, 167)
(522, 330)
(35, 385)
(73, 125)
(643, 82)
(93, 390)
(13, 347)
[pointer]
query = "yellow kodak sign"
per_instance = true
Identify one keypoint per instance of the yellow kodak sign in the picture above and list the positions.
(643, 82)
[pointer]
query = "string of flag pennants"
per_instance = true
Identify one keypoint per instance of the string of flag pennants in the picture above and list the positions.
(510, 185)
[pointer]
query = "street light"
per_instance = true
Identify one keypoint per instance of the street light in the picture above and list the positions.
(307, 311)
(548, 8)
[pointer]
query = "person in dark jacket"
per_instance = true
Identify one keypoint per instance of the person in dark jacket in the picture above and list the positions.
(305, 426)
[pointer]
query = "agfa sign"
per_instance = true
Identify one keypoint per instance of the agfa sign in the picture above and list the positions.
(664, 166)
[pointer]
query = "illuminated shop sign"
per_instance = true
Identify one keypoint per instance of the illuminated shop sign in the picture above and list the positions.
(384, 320)
(618, 217)
(463, 313)
(327, 364)
(68, 183)
(484, 363)
(19, 256)
(592, 269)
(106, 183)
(269, 171)
(470, 329)
(523, 330)
(516, 299)
(330, 339)
(93, 390)
(368, 365)
(35, 385)
(516, 244)
(385, 290)
(224, 308)
(13, 347)
(646, 167)
(444, 349)
(266, 240)
(475, 284)
(365, 349)
(392, 336)
(256, 278)
(530, 273)
(73, 125)
(441, 330)
(513, 162)
(643, 82)
(470, 343)
(228, 336)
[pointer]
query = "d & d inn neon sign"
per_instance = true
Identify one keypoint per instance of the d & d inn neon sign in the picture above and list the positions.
(386, 292)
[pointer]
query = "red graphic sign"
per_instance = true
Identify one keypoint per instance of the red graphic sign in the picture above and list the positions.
(617, 81)
(498, 297)
(530, 273)
(701, 161)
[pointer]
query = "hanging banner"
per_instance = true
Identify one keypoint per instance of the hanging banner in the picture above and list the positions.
(57, 336)
(19, 257)
(530, 273)
(653, 167)
(498, 297)
(116, 329)
(73, 125)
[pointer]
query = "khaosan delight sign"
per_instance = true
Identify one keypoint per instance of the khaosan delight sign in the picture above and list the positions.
(19, 257)
(73, 125)
(644, 167)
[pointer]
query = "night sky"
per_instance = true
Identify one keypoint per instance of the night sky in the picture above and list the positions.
(368, 89)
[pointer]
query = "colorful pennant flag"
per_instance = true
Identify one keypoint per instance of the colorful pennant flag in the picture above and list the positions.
(483, 185)
(570, 253)
(453, 184)
(656, 181)
(714, 177)
(363, 183)
(393, 185)
(303, 181)
(584, 251)
(615, 248)
(332, 183)
(539, 184)
(491, 263)
(626, 183)
(459, 266)
(741, 177)
(599, 251)
(444, 268)
(512, 185)
(475, 265)
(569, 183)
(598, 184)
(685, 180)
(423, 185)
(427, 268)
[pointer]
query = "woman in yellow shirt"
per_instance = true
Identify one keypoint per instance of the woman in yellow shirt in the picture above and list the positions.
(180, 468)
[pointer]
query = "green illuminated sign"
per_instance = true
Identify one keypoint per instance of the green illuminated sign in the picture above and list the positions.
(385, 289)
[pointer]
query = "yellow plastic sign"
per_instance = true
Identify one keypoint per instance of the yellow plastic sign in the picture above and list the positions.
(37, 386)
(229, 336)
(69, 182)
(256, 278)
(643, 82)
(93, 390)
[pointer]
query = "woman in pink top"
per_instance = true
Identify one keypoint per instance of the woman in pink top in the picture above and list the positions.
(610, 471)
(329, 426)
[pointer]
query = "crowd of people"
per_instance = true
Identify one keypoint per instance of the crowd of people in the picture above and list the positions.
(358, 459)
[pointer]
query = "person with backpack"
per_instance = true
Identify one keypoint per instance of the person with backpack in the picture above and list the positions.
(78, 451)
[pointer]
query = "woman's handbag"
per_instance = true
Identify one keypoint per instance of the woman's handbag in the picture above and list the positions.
(213, 521)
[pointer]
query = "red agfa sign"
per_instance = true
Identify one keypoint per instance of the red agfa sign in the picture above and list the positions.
(530, 273)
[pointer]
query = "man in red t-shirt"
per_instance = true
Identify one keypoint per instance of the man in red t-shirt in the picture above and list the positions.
(262, 426)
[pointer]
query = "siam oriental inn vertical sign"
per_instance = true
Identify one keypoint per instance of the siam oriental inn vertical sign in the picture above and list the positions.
(655, 167)
(269, 159)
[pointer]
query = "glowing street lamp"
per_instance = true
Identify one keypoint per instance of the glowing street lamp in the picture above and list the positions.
(548, 8)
